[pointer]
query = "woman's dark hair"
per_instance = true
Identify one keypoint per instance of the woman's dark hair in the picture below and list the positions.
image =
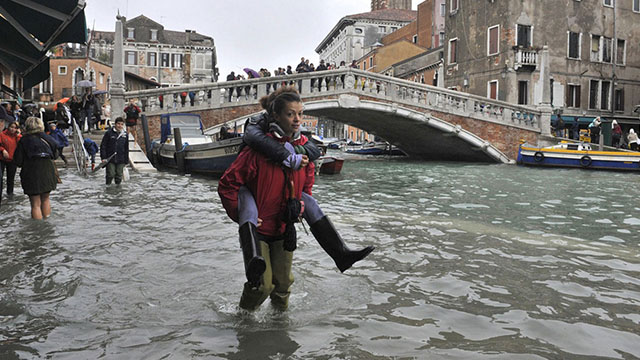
(275, 102)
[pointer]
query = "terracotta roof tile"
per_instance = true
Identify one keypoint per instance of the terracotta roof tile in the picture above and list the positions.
(387, 14)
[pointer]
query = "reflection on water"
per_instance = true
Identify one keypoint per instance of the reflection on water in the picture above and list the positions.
(472, 261)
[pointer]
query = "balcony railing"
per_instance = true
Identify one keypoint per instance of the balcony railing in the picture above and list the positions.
(526, 58)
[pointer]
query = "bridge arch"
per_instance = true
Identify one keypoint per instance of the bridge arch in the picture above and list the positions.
(419, 134)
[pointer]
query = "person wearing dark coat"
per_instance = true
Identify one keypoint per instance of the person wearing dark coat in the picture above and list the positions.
(61, 141)
(92, 149)
(115, 142)
(35, 154)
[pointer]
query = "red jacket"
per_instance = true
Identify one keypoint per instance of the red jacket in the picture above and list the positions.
(8, 142)
(266, 181)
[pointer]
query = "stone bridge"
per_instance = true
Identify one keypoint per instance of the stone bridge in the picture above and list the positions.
(426, 122)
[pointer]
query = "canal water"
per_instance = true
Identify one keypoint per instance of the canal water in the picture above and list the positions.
(473, 261)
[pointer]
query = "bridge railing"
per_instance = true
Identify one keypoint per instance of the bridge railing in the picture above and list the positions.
(332, 83)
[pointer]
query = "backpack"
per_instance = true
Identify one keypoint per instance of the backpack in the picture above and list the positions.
(132, 112)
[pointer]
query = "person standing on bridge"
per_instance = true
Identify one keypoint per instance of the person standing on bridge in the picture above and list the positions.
(114, 149)
(132, 113)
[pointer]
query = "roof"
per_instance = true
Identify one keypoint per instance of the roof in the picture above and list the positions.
(141, 79)
(398, 15)
(387, 14)
(28, 29)
(180, 38)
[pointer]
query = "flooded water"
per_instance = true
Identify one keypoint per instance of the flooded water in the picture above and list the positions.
(472, 262)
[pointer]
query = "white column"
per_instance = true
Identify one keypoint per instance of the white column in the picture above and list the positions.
(117, 73)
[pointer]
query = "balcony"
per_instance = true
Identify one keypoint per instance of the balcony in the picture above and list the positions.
(527, 59)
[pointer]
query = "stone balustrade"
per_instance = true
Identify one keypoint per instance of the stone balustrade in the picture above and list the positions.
(332, 83)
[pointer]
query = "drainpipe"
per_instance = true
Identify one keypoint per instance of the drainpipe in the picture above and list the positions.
(614, 48)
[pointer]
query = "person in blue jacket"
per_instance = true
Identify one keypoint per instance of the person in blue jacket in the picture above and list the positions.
(115, 142)
(92, 149)
(60, 138)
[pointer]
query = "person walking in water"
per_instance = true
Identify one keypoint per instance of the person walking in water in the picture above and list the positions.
(265, 199)
(35, 154)
(9, 139)
(114, 149)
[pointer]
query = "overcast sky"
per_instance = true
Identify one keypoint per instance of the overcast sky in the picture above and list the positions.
(247, 33)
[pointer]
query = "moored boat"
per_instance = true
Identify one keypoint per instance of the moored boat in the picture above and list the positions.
(578, 155)
(331, 165)
(202, 154)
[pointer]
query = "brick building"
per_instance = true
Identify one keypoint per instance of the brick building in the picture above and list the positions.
(493, 49)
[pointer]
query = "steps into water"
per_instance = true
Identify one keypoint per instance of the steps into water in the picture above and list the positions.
(137, 159)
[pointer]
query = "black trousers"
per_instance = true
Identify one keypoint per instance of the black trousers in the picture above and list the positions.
(11, 175)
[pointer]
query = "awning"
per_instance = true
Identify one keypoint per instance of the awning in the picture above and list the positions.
(29, 28)
(568, 119)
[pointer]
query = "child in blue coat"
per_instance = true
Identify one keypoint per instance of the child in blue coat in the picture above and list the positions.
(60, 138)
(92, 150)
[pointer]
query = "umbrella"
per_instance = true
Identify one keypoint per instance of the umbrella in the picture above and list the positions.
(251, 72)
(86, 83)
(103, 163)
(99, 92)
(63, 100)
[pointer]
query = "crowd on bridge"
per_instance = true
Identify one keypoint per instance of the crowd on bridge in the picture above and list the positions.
(303, 67)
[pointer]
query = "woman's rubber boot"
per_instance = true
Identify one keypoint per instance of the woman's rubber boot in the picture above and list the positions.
(254, 264)
(327, 236)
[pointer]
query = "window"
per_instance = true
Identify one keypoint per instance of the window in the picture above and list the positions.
(101, 77)
(636, 5)
(62, 70)
(358, 30)
(523, 92)
(415, 39)
(492, 40)
(608, 3)
(371, 62)
(176, 61)
(200, 61)
(595, 48)
(130, 58)
(440, 39)
(605, 95)
(454, 6)
(524, 37)
(606, 49)
(492, 89)
(164, 60)
(152, 59)
(619, 100)
(154, 35)
(393, 28)
(443, 9)
(131, 32)
(621, 52)
(573, 96)
(382, 29)
(594, 89)
(574, 45)
(453, 51)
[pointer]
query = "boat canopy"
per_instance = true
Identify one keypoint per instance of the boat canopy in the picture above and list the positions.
(190, 125)
(568, 119)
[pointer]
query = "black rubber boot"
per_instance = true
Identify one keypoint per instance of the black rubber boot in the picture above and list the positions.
(327, 236)
(254, 264)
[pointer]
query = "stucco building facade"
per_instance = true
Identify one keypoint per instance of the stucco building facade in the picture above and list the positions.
(494, 49)
(168, 57)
